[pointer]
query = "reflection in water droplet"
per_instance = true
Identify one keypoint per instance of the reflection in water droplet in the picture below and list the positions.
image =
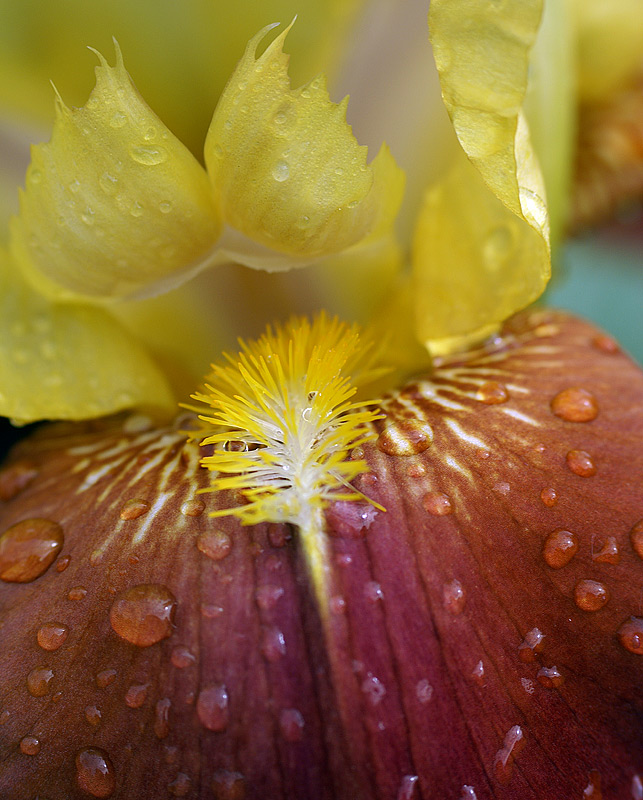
(549, 497)
(281, 171)
(591, 595)
(228, 785)
(437, 503)
(134, 508)
(291, 724)
(636, 537)
(531, 645)
(95, 773)
(593, 789)
(214, 544)
(28, 548)
(559, 548)
(608, 553)
(550, 677)
(30, 746)
(273, 644)
(374, 689)
(349, 518)
(137, 695)
(39, 680)
(492, 393)
(405, 437)
(144, 614)
(52, 635)
(581, 463)
(162, 717)
(212, 707)
(407, 788)
(453, 597)
(631, 635)
(148, 156)
(575, 405)
(513, 744)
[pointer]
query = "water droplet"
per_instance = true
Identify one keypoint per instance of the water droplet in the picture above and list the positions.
(423, 691)
(453, 597)
(278, 534)
(337, 604)
(93, 715)
(228, 785)
(593, 789)
(492, 393)
(273, 644)
(215, 544)
(531, 645)
(144, 614)
(136, 209)
(637, 787)
(134, 508)
(437, 503)
(150, 134)
(373, 591)
(136, 695)
(28, 548)
(74, 187)
(95, 773)
(550, 677)
(350, 519)
(478, 673)
(631, 635)
(118, 120)
(281, 171)
(417, 470)
(15, 478)
(513, 744)
(148, 156)
(559, 548)
(88, 217)
(211, 611)
(590, 595)
(193, 508)
(581, 463)
(30, 746)
(502, 487)
(609, 552)
(406, 437)
(52, 635)
(374, 689)
(407, 788)
(606, 344)
(291, 724)
(280, 118)
(212, 707)
(105, 677)
(162, 717)
(165, 207)
(77, 593)
(181, 657)
(268, 595)
(180, 786)
(575, 405)
(39, 680)
(636, 537)
(34, 175)
(468, 793)
(108, 183)
(549, 497)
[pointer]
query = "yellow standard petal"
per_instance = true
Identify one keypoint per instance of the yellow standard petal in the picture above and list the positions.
(61, 361)
(481, 247)
(290, 175)
(114, 204)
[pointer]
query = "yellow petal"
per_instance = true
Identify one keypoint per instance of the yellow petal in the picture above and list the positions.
(114, 204)
(479, 257)
(61, 361)
(290, 176)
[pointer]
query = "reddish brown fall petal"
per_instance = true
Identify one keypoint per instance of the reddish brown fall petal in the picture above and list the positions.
(483, 636)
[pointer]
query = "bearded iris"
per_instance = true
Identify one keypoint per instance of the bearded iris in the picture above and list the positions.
(116, 216)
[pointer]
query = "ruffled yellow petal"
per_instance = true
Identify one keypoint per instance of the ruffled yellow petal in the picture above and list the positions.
(287, 170)
(479, 257)
(60, 361)
(114, 204)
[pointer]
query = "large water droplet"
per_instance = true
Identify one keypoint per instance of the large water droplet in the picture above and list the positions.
(39, 681)
(52, 635)
(105, 678)
(513, 744)
(148, 155)
(559, 548)
(631, 635)
(437, 503)
(281, 171)
(581, 463)
(227, 785)
(28, 548)
(214, 544)
(405, 437)
(591, 595)
(575, 405)
(212, 707)
(492, 393)
(134, 508)
(193, 508)
(144, 614)
(95, 773)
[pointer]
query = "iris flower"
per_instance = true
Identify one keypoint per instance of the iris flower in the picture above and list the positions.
(392, 546)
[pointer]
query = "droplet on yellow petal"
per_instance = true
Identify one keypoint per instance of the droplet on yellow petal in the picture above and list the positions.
(68, 361)
(289, 174)
(481, 249)
(114, 204)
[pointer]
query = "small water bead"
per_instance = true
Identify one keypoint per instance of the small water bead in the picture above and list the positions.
(15, 478)
(105, 678)
(144, 615)
(134, 508)
(148, 156)
(165, 207)
(550, 677)
(77, 593)
(213, 707)
(478, 673)
(502, 487)
(214, 544)
(349, 518)
(181, 657)
(337, 604)
(593, 789)
(559, 548)
(423, 691)
(637, 787)
(575, 405)
(531, 645)
(95, 772)
(453, 597)
(30, 746)
(93, 715)
(549, 497)
(117, 120)
(405, 437)
(374, 689)
(28, 549)
(291, 724)
(162, 718)
(492, 393)
(636, 537)
(279, 534)
(468, 793)
(417, 470)
(211, 611)
(513, 743)
(631, 635)
(39, 681)
(407, 788)
(52, 635)
(590, 595)
(437, 503)
(193, 508)
(227, 785)
(581, 463)
(281, 171)
(609, 552)
(273, 644)
(268, 595)
(137, 695)
(180, 786)
(606, 344)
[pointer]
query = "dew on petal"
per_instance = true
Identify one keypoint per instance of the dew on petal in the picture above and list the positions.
(105, 678)
(453, 597)
(606, 344)
(631, 635)
(52, 635)
(423, 691)
(468, 793)
(181, 657)
(407, 788)
(162, 718)
(550, 677)
(593, 789)
(581, 463)
(273, 644)
(374, 689)
(531, 645)
(559, 548)
(417, 470)
(77, 593)
(591, 595)
(180, 786)
(193, 508)
(405, 437)
(93, 715)
(15, 478)
(373, 591)
(291, 724)
(279, 534)
(28, 549)
(636, 537)
(350, 519)
(637, 787)
(137, 695)
(492, 392)
(437, 503)
(512, 745)
(30, 745)
(268, 595)
(575, 405)
(212, 707)
(39, 680)
(134, 509)
(337, 604)
(62, 563)
(95, 773)
(227, 785)
(608, 553)
(549, 497)
(143, 615)
(214, 544)
(478, 673)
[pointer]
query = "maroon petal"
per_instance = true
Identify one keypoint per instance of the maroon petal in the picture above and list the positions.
(483, 637)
